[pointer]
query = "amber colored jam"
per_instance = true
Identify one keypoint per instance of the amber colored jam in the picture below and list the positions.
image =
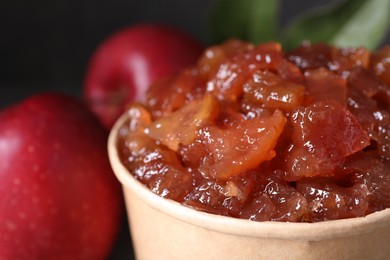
(257, 133)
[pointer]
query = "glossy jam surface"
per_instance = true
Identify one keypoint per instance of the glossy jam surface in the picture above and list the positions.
(258, 133)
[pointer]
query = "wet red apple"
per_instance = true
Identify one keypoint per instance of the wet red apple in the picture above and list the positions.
(127, 62)
(58, 196)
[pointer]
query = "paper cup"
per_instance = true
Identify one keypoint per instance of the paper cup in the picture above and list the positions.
(165, 229)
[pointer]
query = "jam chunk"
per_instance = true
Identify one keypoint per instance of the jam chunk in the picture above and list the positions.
(181, 126)
(228, 197)
(266, 90)
(329, 201)
(345, 59)
(260, 208)
(288, 71)
(369, 101)
(242, 147)
(156, 166)
(311, 56)
(318, 147)
(368, 171)
(323, 84)
(235, 71)
(380, 64)
(274, 199)
(290, 205)
(320, 55)
(169, 94)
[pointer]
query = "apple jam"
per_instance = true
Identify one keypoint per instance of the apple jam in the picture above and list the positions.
(258, 133)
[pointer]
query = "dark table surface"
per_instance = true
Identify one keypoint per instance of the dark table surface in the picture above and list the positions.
(46, 45)
(123, 248)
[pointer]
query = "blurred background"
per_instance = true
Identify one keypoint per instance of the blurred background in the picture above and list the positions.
(46, 45)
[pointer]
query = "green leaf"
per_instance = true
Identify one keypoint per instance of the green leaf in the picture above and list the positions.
(344, 23)
(250, 20)
(368, 27)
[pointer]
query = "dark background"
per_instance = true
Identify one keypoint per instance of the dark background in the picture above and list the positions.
(46, 45)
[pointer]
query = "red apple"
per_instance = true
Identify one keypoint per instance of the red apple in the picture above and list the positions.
(58, 196)
(124, 65)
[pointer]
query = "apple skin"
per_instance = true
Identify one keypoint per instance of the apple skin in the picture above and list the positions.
(58, 196)
(127, 62)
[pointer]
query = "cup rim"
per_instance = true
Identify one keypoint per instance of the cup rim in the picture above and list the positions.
(234, 226)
